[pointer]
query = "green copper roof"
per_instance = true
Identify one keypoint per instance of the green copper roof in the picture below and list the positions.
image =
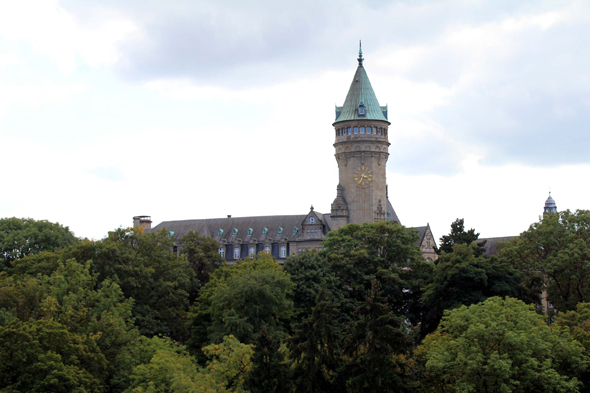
(361, 92)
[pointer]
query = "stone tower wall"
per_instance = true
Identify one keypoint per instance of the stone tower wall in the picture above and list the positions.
(357, 154)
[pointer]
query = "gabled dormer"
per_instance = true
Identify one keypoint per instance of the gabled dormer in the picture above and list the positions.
(312, 226)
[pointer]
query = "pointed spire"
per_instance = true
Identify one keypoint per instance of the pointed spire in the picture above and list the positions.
(360, 59)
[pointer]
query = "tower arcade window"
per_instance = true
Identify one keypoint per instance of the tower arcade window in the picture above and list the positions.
(356, 130)
(349, 130)
(362, 130)
(368, 130)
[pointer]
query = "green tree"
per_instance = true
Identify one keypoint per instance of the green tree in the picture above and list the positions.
(381, 251)
(311, 273)
(145, 268)
(461, 278)
(202, 255)
(43, 356)
(315, 349)
(499, 346)
(554, 254)
(458, 235)
(376, 335)
(269, 373)
(239, 300)
(20, 237)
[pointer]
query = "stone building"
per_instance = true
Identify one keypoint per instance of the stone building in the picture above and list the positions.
(361, 130)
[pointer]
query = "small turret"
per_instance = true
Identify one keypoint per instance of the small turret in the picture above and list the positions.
(550, 206)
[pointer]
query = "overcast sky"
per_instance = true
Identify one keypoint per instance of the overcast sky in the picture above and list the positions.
(199, 109)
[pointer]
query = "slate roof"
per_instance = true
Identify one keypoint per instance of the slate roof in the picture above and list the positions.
(494, 244)
(361, 91)
(211, 227)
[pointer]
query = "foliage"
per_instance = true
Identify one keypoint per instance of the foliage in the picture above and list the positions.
(500, 346)
(381, 251)
(311, 273)
(461, 278)
(202, 255)
(43, 356)
(269, 373)
(171, 369)
(376, 335)
(20, 237)
(315, 348)
(554, 254)
(458, 235)
(239, 300)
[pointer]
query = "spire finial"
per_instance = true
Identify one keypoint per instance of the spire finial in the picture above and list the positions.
(360, 59)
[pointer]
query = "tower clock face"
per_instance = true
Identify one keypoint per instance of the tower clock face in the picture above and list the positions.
(363, 176)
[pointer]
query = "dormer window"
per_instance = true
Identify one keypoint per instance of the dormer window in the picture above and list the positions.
(219, 232)
(264, 231)
(280, 231)
(312, 220)
(235, 231)
(250, 231)
(295, 230)
(361, 109)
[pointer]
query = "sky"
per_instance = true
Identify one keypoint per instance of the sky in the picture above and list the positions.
(200, 109)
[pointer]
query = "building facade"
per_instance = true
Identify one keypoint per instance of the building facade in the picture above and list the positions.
(361, 130)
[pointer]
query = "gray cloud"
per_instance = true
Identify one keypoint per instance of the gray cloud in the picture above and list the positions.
(528, 102)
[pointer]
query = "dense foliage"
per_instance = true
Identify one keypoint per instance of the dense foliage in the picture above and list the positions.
(365, 314)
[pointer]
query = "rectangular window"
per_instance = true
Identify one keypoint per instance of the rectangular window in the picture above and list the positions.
(283, 251)
(368, 130)
(252, 252)
(362, 130)
(308, 234)
(356, 130)
(236, 252)
(222, 252)
(266, 249)
(349, 130)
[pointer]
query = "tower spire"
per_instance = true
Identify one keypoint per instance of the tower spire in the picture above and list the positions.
(360, 59)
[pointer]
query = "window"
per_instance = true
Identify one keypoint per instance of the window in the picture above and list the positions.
(250, 230)
(295, 230)
(356, 130)
(308, 233)
(264, 230)
(368, 130)
(235, 231)
(222, 252)
(361, 110)
(283, 252)
(267, 250)
(312, 220)
(236, 252)
(349, 130)
(219, 232)
(280, 231)
(362, 130)
(252, 252)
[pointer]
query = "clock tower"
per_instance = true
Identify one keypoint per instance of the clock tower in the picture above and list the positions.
(361, 131)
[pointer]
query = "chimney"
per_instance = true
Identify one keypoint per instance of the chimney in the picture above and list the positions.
(144, 222)
(229, 216)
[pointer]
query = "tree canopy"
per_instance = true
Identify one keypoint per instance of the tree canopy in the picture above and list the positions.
(20, 237)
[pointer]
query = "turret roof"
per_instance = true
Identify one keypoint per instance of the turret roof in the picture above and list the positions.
(361, 91)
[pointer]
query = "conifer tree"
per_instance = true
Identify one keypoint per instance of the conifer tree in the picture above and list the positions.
(269, 373)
